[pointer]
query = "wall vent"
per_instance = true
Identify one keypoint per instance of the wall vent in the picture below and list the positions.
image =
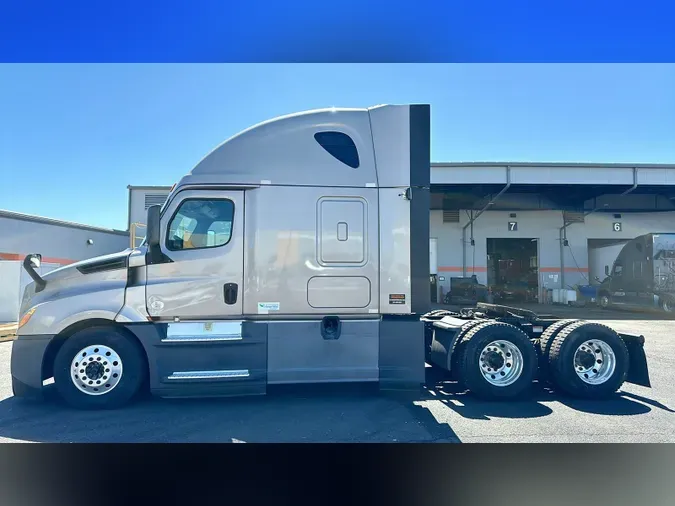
(451, 216)
(571, 217)
(154, 199)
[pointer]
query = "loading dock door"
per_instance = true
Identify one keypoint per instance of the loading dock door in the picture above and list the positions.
(513, 273)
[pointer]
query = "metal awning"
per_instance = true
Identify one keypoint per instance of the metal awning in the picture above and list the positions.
(554, 186)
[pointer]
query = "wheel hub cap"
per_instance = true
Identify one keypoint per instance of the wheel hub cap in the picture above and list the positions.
(96, 370)
(501, 363)
(594, 362)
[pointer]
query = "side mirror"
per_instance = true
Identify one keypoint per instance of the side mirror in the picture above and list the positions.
(152, 230)
(30, 263)
(606, 270)
(597, 278)
(152, 236)
(35, 260)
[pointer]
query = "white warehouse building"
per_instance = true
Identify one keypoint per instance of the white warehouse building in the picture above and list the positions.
(543, 225)
(540, 223)
(59, 242)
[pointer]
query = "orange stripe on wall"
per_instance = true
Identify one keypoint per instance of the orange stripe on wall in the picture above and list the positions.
(459, 269)
(484, 269)
(47, 260)
(567, 269)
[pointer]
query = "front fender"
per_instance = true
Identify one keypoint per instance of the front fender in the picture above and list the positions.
(55, 314)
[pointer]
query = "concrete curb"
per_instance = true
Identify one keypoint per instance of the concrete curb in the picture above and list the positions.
(7, 332)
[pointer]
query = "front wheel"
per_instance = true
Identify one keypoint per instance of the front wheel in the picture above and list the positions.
(667, 305)
(99, 368)
(604, 301)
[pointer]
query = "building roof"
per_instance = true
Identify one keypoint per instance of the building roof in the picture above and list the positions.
(550, 174)
(59, 223)
(132, 187)
(590, 165)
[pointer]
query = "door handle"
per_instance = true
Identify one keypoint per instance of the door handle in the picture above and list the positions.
(230, 293)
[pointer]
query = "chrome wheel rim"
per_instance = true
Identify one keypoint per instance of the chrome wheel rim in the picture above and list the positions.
(96, 370)
(604, 301)
(667, 306)
(501, 363)
(594, 362)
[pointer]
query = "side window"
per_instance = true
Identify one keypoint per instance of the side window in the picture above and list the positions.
(200, 223)
(618, 270)
(341, 146)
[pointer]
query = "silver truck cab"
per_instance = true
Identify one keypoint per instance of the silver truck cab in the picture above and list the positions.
(295, 252)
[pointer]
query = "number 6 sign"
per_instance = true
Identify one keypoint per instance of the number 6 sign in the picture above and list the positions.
(616, 226)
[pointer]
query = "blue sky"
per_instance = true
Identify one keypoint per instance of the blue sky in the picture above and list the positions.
(72, 137)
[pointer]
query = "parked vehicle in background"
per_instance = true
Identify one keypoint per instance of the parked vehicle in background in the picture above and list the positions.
(643, 275)
(511, 291)
(465, 290)
(601, 258)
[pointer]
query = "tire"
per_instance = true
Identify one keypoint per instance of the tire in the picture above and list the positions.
(459, 346)
(101, 344)
(475, 358)
(604, 300)
(668, 305)
(545, 342)
(563, 367)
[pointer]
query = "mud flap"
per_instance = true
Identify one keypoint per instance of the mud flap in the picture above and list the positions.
(638, 372)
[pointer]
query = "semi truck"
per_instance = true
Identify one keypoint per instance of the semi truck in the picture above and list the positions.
(642, 276)
(600, 260)
(295, 252)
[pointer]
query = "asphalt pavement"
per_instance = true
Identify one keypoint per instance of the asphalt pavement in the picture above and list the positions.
(443, 413)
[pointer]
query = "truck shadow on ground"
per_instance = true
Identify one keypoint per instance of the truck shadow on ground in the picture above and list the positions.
(535, 404)
(354, 413)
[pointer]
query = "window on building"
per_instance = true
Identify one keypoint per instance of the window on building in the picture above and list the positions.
(200, 223)
(340, 145)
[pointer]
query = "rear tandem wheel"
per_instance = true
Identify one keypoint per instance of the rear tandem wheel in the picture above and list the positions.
(588, 360)
(545, 342)
(497, 361)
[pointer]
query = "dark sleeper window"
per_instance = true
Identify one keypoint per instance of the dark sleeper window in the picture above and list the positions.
(340, 145)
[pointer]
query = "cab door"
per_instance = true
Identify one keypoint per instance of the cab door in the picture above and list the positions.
(201, 273)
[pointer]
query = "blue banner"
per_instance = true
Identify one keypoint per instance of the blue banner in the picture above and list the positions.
(344, 31)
